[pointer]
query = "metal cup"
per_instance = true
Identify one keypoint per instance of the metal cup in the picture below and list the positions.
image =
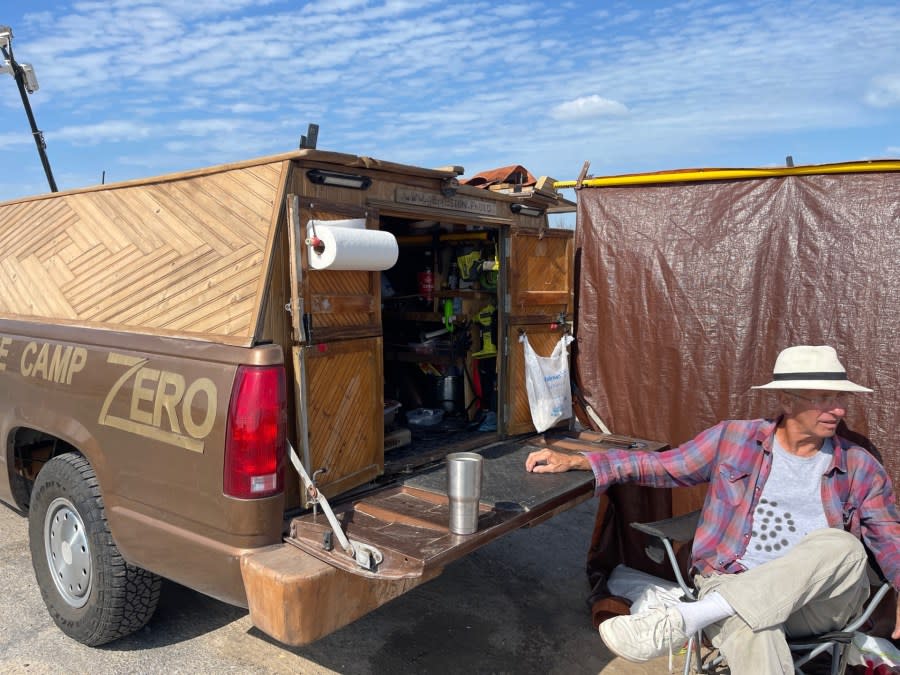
(464, 490)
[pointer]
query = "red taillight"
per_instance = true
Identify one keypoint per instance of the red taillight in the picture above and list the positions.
(254, 441)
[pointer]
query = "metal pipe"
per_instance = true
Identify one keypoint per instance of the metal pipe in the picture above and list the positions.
(38, 135)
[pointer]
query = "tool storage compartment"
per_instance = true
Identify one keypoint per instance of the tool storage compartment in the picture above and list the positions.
(440, 320)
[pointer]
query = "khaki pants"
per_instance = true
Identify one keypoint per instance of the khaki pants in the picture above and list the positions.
(820, 585)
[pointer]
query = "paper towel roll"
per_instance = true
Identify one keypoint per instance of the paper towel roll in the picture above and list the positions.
(348, 248)
(358, 223)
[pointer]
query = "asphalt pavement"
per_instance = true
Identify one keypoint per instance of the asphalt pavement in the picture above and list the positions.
(515, 606)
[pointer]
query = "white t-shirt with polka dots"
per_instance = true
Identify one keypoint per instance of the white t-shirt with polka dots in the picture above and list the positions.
(790, 506)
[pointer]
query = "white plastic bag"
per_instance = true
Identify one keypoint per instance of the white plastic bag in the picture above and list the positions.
(547, 383)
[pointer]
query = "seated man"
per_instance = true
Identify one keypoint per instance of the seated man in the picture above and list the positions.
(777, 550)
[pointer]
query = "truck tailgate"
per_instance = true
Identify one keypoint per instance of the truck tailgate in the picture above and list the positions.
(408, 521)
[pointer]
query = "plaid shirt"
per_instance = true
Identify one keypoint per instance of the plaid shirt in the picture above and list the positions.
(735, 458)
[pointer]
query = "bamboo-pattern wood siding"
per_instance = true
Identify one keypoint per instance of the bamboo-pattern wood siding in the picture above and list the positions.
(344, 386)
(179, 255)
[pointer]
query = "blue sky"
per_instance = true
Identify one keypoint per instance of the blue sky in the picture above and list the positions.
(139, 87)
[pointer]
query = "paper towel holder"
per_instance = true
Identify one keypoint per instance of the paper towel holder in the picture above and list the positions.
(337, 179)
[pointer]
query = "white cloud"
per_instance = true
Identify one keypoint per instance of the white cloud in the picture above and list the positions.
(101, 132)
(246, 108)
(588, 107)
(884, 91)
(627, 17)
(11, 140)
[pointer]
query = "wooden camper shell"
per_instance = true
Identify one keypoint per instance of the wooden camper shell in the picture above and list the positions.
(205, 255)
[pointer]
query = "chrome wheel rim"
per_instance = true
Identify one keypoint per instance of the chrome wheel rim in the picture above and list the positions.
(68, 552)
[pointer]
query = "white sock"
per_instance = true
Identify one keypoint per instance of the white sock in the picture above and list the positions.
(698, 615)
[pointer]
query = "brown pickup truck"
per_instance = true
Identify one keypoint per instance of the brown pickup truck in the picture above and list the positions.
(191, 389)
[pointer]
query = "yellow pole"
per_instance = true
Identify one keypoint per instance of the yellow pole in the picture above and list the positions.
(690, 176)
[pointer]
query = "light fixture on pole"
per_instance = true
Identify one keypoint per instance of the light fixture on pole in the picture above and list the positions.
(523, 210)
(27, 82)
(338, 179)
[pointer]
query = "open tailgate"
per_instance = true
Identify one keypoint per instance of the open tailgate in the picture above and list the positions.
(408, 521)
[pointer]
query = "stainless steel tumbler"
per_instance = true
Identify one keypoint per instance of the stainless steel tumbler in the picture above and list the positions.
(464, 490)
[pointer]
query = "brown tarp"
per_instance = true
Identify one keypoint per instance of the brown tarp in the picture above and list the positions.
(688, 291)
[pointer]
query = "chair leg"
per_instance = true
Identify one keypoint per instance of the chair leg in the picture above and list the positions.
(689, 655)
(839, 657)
(694, 652)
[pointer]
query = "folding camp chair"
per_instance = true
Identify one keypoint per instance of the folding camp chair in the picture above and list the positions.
(681, 529)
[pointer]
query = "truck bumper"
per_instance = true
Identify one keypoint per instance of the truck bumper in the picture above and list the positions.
(297, 599)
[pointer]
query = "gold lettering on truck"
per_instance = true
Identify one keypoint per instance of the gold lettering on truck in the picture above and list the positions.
(161, 404)
(58, 364)
(5, 342)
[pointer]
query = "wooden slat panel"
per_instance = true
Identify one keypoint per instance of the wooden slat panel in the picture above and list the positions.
(57, 242)
(58, 270)
(131, 300)
(50, 296)
(115, 266)
(183, 254)
(176, 234)
(267, 176)
(90, 215)
(224, 306)
(128, 285)
(244, 206)
(541, 274)
(28, 287)
(346, 425)
(194, 293)
(228, 223)
(327, 284)
(133, 221)
(23, 236)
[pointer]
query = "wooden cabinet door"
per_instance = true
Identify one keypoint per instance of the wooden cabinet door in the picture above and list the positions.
(539, 300)
(337, 358)
(540, 275)
(344, 411)
(336, 304)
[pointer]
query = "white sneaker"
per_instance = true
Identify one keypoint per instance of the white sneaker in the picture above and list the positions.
(644, 636)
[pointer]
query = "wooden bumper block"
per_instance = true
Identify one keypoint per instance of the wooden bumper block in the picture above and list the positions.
(296, 598)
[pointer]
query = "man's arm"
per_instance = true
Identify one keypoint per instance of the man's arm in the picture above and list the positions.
(688, 464)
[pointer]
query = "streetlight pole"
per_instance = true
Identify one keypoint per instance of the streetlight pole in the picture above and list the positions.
(27, 83)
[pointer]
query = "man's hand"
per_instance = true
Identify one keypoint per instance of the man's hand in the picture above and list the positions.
(551, 461)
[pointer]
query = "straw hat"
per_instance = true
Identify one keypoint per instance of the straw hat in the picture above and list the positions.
(808, 367)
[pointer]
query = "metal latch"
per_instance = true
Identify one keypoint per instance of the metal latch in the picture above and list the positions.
(366, 556)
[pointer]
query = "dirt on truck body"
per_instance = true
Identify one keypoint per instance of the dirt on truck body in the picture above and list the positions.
(169, 346)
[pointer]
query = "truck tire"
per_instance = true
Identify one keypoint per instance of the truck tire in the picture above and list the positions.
(93, 595)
